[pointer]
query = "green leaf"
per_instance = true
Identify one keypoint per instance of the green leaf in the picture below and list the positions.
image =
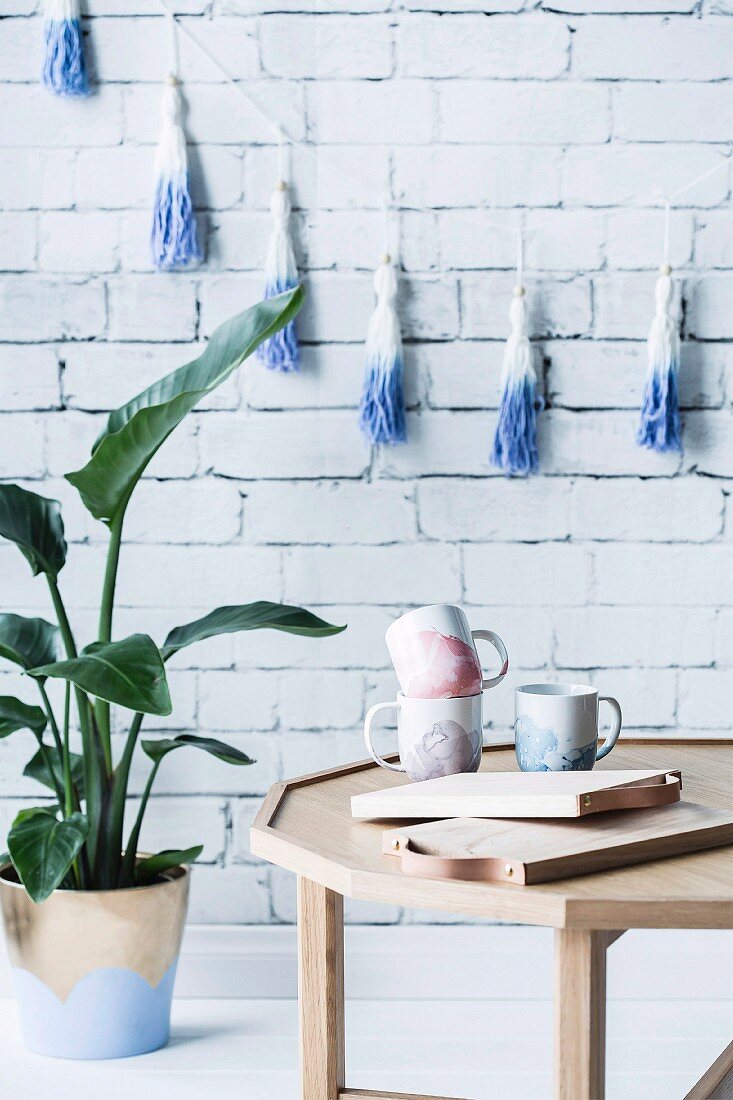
(37, 769)
(148, 870)
(27, 642)
(129, 673)
(43, 848)
(156, 750)
(34, 524)
(136, 430)
(249, 616)
(15, 715)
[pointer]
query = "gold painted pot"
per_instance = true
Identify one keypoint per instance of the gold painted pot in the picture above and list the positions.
(94, 969)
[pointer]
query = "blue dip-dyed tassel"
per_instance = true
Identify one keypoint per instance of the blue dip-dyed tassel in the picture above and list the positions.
(64, 69)
(659, 425)
(280, 352)
(382, 408)
(515, 440)
(173, 235)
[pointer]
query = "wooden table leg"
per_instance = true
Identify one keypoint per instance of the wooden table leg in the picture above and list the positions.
(320, 990)
(580, 1013)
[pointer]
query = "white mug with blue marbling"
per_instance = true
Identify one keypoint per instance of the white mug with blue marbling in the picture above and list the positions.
(435, 736)
(556, 727)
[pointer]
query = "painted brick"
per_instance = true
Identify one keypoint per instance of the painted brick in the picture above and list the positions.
(661, 510)
(18, 241)
(458, 175)
(633, 238)
(671, 112)
(329, 512)
(663, 49)
(150, 308)
(361, 646)
(599, 443)
(330, 376)
(29, 116)
(102, 376)
(405, 573)
(48, 309)
(237, 700)
(303, 48)
(471, 45)
(596, 374)
(34, 178)
(710, 308)
(228, 895)
(631, 637)
(441, 443)
(213, 118)
(461, 374)
(697, 575)
(557, 307)
(206, 511)
(283, 445)
(29, 377)
(478, 111)
(481, 511)
(77, 242)
(330, 699)
(613, 175)
(550, 576)
(705, 696)
(393, 112)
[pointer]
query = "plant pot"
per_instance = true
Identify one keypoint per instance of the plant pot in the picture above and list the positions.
(94, 970)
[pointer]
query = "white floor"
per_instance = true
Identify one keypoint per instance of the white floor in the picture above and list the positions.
(487, 1050)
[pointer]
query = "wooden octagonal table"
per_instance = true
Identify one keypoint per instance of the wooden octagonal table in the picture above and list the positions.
(305, 825)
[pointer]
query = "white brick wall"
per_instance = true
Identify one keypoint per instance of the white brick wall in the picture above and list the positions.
(615, 566)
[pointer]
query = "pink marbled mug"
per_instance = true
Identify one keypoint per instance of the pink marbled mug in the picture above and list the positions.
(434, 655)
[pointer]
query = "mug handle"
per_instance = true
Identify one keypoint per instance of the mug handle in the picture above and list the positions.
(489, 636)
(612, 737)
(371, 713)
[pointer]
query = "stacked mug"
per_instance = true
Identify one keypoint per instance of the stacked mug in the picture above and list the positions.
(440, 707)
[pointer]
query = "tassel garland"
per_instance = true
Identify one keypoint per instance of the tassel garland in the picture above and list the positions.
(659, 426)
(382, 409)
(64, 70)
(173, 236)
(515, 441)
(280, 352)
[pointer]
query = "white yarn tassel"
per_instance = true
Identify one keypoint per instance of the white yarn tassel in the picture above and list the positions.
(280, 352)
(515, 441)
(64, 69)
(173, 236)
(382, 409)
(659, 427)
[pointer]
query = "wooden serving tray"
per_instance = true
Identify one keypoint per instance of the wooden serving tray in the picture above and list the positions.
(521, 794)
(525, 852)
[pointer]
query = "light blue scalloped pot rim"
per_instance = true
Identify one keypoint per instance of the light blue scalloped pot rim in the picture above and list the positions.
(94, 970)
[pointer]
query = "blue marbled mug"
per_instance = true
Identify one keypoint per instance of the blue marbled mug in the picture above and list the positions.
(556, 727)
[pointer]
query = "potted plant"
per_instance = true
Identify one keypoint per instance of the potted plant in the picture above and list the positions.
(94, 927)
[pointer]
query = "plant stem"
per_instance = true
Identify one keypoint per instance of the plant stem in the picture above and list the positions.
(51, 718)
(106, 608)
(72, 801)
(128, 862)
(118, 798)
(94, 773)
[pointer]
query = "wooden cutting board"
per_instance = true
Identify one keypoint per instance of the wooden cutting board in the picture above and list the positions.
(525, 852)
(520, 794)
